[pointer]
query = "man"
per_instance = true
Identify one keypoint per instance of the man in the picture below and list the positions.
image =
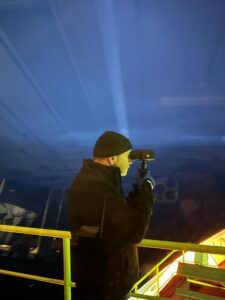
(105, 226)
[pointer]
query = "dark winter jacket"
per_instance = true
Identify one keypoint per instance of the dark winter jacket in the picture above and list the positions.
(106, 227)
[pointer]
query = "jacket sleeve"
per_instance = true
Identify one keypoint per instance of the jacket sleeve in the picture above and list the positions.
(126, 220)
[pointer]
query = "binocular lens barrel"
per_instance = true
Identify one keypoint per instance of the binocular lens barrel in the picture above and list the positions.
(142, 155)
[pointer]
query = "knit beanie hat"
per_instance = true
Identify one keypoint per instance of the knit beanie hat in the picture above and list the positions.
(111, 143)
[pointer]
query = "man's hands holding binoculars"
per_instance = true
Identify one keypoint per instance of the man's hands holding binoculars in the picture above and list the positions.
(144, 175)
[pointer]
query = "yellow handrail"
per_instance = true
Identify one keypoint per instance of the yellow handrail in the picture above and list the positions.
(167, 245)
(135, 287)
(66, 236)
(36, 231)
(174, 246)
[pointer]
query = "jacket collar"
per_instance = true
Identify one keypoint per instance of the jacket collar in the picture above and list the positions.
(105, 174)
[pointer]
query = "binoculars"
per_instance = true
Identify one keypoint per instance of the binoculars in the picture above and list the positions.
(144, 155)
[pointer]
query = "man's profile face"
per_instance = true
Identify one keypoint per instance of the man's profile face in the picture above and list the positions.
(123, 162)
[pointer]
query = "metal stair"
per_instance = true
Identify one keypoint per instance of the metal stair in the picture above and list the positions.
(211, 275)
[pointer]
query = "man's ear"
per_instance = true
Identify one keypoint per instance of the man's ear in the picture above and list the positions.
(112, 160)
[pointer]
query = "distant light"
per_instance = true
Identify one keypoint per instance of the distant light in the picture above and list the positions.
(108, 31)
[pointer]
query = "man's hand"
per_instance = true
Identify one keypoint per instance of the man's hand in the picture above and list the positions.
(144, 175)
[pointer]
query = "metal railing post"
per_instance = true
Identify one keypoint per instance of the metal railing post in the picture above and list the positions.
(66, 269)
(66, 236)
(157, 280)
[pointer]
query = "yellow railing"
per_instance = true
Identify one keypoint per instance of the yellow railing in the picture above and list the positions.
(167, 245)
(174, 247)
(151, 271)
(65, 236)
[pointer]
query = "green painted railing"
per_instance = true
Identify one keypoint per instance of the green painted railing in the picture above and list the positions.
(65, 236)
(174, 247)
(167, 245)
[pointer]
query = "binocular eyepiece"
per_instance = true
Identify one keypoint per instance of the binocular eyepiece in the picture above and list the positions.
(144, 155)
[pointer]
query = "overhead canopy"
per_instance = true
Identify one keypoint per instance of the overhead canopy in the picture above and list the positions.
(69, 70)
